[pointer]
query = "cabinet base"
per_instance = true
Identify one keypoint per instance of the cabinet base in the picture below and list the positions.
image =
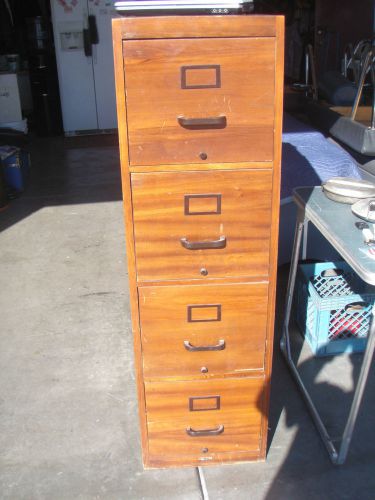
(164, 462)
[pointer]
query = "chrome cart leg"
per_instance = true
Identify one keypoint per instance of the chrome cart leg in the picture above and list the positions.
(365, 368)
(285, 340)
(313, 72)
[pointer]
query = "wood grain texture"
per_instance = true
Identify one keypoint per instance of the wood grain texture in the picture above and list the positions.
(168, 417)
(165, 326)
(207, 281)
(155, 100)
(245, 165)
(260, 264)
(165, 461)
(195, 27)
(160, 223)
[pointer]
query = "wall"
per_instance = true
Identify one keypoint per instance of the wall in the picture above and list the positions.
(338, 22)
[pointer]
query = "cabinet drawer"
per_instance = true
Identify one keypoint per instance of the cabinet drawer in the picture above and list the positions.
(200, 100)
(213, 329)
(218, 221)
(203, 418)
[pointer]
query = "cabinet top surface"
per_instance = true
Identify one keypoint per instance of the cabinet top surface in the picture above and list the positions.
(130, 28)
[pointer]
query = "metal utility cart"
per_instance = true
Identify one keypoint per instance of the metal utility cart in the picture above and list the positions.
(336, 223)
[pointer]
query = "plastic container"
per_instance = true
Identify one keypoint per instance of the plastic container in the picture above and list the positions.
(333, 308)
(15, 163)
(13, 61)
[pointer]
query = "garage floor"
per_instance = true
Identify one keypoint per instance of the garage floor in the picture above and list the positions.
(68, 420)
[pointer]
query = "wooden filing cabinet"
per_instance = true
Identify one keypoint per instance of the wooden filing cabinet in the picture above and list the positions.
(199, 102)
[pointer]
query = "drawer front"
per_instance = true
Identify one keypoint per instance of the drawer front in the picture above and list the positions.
(215, 224)
(213, 329)
(204, 418)
(199, 101)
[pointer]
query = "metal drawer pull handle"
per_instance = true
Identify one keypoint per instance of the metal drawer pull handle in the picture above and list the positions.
(205, 432)
(198, 245)
(218, 347)
(196, 123)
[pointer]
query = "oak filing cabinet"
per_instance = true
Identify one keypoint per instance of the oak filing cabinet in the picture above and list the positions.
(199, 102)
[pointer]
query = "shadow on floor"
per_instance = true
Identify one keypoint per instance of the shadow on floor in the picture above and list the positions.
(306, 471)
(67, 171)
(64, 336)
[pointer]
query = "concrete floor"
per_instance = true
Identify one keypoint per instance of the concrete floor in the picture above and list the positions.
(68, 421)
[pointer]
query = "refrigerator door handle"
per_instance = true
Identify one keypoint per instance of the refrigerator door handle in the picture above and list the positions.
(87, 43)
(93, 29)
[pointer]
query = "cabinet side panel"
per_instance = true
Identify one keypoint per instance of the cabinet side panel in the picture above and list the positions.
(128, 216)
(279, 85)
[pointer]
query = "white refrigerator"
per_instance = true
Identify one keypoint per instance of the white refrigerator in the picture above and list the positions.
(83, 43)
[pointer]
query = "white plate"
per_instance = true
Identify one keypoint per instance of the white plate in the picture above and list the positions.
(365, 209)
(348, 190)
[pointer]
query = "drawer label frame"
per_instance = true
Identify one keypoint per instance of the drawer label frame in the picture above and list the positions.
(196, 67)
(188, 197)
(190, 311)
(201, 398)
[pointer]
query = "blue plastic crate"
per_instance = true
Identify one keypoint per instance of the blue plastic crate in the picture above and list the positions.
(333, 308)
(15, 163)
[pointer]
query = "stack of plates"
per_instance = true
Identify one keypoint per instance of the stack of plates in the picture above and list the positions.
(359, 193)
(148, 7)
(347, 190)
